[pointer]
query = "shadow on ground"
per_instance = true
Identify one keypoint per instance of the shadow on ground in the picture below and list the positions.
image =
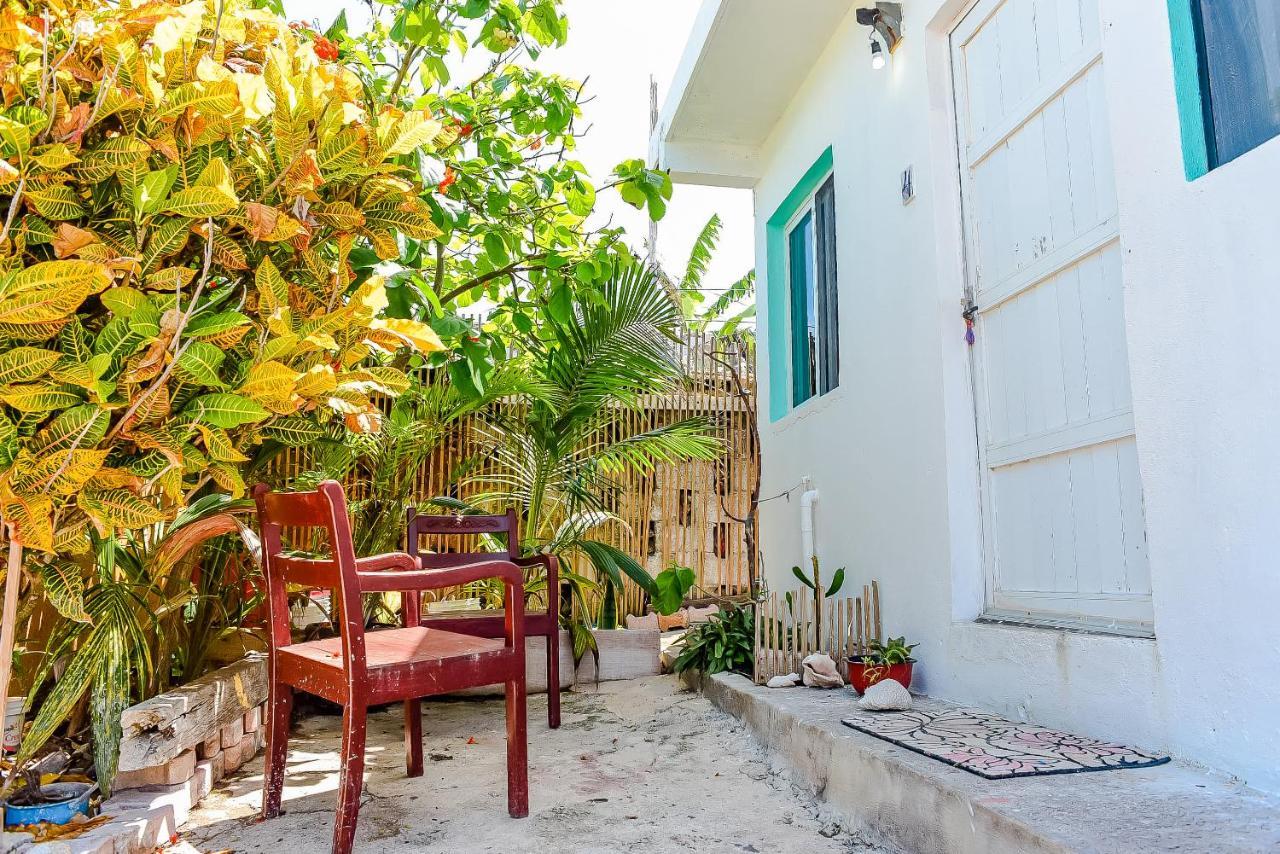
(637, 766)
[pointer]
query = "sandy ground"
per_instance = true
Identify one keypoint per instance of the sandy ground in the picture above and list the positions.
(637, 766)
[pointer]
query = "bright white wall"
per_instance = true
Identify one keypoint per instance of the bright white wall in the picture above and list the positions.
(892, 451)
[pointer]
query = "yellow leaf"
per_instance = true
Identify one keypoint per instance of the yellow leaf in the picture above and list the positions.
(255, 98)
(30, 519)
(271, 384)
(216, 174)
(59, 473)
(416, 129)
(199, 202)
(273, 290)
(180, 27)
(419, 336)
(37, 397)
(118, 508)
(22, 364)
(50, 290)
(316, 382)
(209, 99)
(343, 216)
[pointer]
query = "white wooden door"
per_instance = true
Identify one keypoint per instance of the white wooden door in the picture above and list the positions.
(1064, 536)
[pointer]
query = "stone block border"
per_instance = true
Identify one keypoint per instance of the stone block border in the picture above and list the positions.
(178, 745)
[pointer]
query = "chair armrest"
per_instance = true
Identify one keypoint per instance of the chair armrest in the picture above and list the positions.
(394, 560)
(435, 579)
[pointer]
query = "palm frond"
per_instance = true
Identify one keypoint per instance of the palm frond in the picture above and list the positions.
(700, 256)
(740, 290)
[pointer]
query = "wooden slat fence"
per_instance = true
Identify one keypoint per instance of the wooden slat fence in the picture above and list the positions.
(788, 632)
(685, 514)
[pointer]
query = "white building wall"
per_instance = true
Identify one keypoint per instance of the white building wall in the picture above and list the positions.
(892, 451)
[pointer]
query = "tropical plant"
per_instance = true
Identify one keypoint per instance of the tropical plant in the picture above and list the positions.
(512, 202)
(670, 587)
(814, 583)
(723, 643)
(127, 618)
(888, 653)
(180, 288)
(557, 457)
(725, 314)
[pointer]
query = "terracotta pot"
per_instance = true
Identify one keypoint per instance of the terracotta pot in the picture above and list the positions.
(863, 676)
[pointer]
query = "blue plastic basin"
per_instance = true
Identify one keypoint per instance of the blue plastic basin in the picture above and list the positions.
(76, 802)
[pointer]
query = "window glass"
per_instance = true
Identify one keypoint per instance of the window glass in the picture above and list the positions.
(804, 311)
(1240, 62)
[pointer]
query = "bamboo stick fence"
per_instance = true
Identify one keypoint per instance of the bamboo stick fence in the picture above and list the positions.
(788, 632)
(685, 513)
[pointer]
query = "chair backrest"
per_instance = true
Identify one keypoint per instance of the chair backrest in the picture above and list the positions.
(324, 509)
(460, 525)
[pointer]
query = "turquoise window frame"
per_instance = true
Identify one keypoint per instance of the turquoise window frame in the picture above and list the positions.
(777, 281)
(1190, 86)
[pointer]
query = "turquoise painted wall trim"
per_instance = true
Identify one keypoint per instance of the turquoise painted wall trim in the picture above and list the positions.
(1190, 88)
(776, 283)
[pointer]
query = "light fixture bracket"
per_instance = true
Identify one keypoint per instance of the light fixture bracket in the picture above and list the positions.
(885, 19)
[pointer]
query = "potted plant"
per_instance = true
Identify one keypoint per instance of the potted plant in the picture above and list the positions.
(888, 660)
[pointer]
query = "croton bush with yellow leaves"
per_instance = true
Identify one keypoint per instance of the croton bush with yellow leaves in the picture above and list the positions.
(181, 187)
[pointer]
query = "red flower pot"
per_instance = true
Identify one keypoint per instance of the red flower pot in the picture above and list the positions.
(863, 676)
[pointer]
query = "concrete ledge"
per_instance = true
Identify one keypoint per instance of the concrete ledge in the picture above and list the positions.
(921, 805)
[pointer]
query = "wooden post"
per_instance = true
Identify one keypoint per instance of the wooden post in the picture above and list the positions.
(8, 628)
(875, 605)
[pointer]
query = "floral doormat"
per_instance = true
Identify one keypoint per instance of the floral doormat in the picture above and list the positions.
(990, 746)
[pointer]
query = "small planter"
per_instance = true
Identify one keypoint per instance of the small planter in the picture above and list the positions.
(862, 675)
(72, 800)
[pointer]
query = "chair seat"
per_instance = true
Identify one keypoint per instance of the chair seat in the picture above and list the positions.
(397, 648)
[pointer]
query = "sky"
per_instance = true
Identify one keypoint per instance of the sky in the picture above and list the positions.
(615, 45)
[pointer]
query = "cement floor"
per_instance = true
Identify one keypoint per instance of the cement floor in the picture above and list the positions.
(637, 766)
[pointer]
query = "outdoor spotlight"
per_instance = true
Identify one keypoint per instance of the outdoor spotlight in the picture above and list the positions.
(886, 20)
(877, 54)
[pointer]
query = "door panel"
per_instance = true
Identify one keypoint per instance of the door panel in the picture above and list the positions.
(1064, 536)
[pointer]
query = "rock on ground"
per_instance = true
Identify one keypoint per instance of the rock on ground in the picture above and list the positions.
(637, 766)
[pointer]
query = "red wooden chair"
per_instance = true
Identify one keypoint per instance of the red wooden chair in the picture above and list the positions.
(359, 669)
(545, 624)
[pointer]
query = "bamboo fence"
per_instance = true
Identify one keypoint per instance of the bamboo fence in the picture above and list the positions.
(687, 514)
(789, 631)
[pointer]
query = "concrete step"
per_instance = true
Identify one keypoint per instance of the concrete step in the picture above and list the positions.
(924, 806)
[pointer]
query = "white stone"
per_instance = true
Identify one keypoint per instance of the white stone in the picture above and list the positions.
(820, 671)
(790, 680)
(886, 695)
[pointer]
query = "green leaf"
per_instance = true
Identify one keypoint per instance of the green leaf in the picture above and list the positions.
(804, 579)
(225, 410)
(21, 364)
(293, 430)
(837, 581)
(150, 193)
(199, 202)
(672, 585)
(199, 364)
(64, 587)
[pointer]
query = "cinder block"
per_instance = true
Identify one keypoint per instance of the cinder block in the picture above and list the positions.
(235, 756)
(232, 732)
(174, 772)
(253, 719)
(209, 748)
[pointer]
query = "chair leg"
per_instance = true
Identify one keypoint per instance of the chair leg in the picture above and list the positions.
(413, 737)
(553, 678)
(351, 780)
(517, 749)
(279, 713)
